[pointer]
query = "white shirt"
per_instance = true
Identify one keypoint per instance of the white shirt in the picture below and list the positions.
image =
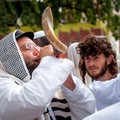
(106, 92)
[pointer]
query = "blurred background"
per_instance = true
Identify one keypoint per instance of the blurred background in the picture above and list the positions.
(73, 19)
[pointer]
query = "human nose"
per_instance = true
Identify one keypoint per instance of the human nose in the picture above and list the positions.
(36, 51)
(91, 62)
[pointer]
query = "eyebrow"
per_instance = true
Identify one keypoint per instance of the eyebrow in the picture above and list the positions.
(28, 43)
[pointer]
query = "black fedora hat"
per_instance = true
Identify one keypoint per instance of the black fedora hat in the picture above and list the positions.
(20, 34)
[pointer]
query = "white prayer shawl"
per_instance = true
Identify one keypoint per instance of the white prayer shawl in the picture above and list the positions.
(22, 98)
(27, 101)
(75, 57)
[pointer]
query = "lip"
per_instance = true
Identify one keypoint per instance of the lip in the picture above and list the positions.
(92, 69)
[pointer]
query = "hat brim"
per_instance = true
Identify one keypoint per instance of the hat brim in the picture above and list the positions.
(26, 34)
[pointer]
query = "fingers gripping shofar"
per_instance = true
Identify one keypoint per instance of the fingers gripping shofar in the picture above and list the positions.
(47, 24)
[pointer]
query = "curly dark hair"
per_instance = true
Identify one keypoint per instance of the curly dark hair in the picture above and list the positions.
(95, 45)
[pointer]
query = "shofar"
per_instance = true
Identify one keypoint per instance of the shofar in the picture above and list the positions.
(47, 24)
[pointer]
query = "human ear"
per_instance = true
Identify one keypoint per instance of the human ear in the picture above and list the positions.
(109, 59)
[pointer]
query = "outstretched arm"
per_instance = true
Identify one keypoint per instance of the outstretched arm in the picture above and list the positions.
(80, 99)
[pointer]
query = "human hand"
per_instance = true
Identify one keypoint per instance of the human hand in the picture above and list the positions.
(46, 51)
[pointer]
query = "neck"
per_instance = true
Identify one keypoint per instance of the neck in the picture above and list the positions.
(107, 76)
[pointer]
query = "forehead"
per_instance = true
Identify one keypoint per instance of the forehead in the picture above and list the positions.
(24, 40)
(95, 55)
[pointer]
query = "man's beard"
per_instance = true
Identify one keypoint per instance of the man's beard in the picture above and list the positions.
(31, 67)
(101, 73)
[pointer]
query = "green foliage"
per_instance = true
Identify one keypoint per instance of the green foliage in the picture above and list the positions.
(64, 11)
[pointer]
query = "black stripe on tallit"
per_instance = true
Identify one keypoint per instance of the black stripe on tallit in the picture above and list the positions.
(62, 101)
(59, 100)
(62, 118)
(61, 109)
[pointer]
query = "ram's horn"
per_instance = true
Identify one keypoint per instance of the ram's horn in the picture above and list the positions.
(47, 24)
